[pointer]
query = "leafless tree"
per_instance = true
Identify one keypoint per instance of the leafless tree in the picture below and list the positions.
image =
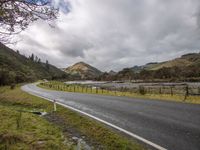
(16, 15)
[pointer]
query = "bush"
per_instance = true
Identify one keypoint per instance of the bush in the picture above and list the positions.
(12, 86)
(142, 90)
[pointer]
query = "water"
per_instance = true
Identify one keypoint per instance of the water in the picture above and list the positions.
(115, 84)
(85, 82)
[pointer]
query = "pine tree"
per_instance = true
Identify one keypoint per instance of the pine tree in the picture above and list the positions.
(47, 64)
(32, 57)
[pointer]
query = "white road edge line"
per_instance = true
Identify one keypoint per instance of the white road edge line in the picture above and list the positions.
(107, 123)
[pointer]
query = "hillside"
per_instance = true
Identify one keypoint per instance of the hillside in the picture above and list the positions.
(15, 67)
(83, 71)
(184, 68)
(148, 66)
(187, 60)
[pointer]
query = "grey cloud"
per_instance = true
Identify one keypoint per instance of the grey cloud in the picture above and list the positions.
(73, 46)
(112, 34)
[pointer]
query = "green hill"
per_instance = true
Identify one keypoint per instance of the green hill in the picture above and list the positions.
(187, 60)
(16, 68)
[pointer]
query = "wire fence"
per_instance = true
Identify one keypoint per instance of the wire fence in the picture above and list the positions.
(174, 89)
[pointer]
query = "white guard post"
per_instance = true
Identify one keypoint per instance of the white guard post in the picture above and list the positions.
(54, 105)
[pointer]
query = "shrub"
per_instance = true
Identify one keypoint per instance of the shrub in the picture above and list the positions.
(142, 90)
(12, 86)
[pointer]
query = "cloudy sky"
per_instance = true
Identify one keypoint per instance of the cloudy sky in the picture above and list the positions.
(113, 34)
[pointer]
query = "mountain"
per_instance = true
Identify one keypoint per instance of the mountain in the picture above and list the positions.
(17, 68)
(112, 73)
(83, 71)
(187, 60)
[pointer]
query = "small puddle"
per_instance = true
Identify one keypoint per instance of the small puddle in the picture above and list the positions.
(80, 143)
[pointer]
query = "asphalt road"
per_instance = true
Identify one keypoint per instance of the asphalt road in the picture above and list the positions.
(174, 126)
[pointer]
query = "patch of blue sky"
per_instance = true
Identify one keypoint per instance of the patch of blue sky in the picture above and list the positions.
(63, 5)
(38, 1)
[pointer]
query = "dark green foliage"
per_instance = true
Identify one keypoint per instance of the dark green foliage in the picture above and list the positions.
(142, 90)
(12, 86)
(105, 77)
(16, 68)
(126, 74)
(47, 65)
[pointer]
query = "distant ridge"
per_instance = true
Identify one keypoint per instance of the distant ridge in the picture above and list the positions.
(83, 70)
(184, 68)
(186, 60)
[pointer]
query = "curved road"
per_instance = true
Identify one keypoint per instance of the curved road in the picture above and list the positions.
(174, 126)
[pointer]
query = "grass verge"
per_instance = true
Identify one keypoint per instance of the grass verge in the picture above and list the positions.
(60, 86)
(21, 129)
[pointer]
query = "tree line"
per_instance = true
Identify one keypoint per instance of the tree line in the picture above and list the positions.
(189, 73)
(12, 71)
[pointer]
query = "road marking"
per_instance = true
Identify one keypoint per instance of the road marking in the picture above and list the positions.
(107, 123)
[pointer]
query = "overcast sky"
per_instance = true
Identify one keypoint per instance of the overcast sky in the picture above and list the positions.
(113, 34)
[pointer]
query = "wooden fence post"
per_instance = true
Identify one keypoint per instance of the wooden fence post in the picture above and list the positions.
(198, 90)
(160, 90)
(171, 90)
(186, 92)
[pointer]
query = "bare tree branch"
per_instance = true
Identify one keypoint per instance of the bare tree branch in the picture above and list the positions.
(16, 15)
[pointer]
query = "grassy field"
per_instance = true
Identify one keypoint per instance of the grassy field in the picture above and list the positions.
(55, 85)
(21, 129)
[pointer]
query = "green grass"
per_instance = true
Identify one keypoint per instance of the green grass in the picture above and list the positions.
(56, 85)
(28, 131)
(20, 129)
